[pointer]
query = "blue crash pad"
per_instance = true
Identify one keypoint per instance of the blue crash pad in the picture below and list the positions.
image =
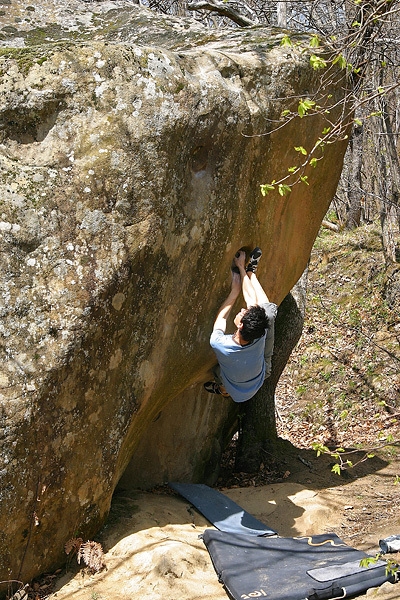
(220, 510)
(318, 567)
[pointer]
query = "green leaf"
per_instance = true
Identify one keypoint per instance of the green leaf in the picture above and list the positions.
(317, 62)
(367, 561)
(313, 162)
(301, 110)
(326, 130)
(301, 150)
(308, 103)
(266, 188)
(370, 455)
(304, 179)
(284, 189)
(336, 469)
(292, 169)
(356, 24)
(381, 90)
(319, 448)
(305, 106)
(391, 567)
(286, 41)
(358, 122)
(314, 41)
(340, 60)
(285, 113)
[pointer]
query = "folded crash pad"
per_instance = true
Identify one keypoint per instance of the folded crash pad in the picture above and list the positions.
(220, 510)
(318, 567)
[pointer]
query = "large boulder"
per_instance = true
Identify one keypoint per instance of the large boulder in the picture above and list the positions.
(132, 151)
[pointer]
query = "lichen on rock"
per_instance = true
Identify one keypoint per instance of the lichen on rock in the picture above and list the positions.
(132, 149)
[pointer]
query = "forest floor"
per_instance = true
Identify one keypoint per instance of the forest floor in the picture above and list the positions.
(341, 389)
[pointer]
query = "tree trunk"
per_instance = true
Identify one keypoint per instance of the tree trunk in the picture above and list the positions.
(390, 206)
(354, 190)
(258, 436)
(281, 13)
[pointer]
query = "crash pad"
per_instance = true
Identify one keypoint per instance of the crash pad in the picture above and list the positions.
(318, 567)
(220, 510)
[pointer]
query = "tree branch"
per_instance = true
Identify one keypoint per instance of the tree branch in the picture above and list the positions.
(331, 226)
(225, 9)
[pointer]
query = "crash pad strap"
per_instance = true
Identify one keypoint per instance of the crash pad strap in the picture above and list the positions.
(220, 510)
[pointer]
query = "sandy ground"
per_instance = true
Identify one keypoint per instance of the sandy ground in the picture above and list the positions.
(153, 550)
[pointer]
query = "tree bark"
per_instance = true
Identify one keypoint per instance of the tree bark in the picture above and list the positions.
(390, 207)
(258, 436)
(354, 189)
(226, 9)
(281, 13)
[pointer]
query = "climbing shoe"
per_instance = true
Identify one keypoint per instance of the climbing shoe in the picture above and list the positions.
(213, 388)
(255, 256)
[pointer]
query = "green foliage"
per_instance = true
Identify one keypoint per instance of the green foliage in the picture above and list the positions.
(320, 448)
(302, 150)
(286, 41)
(314, 41)
(266, 188)
(317, 62)
(391, 566)
(340, 60)
(339, 454)
(284, 189)
(369, 560)
(304, 107)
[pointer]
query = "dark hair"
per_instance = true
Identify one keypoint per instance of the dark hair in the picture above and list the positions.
(255, 322)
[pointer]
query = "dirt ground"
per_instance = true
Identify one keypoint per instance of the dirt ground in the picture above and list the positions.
(152, 544)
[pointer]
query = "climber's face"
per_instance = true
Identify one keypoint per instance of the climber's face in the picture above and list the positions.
(238, 319)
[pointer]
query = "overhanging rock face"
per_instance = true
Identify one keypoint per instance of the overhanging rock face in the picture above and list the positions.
(130, 169)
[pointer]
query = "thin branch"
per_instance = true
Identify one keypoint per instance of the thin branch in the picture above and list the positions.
(225, 9)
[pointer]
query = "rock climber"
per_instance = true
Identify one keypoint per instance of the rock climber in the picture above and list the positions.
(244, 358)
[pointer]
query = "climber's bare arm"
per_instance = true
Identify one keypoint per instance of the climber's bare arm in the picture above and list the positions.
(226, 307)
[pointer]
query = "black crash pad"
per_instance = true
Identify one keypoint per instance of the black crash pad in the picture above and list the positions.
(318, 567)
(220, 510)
